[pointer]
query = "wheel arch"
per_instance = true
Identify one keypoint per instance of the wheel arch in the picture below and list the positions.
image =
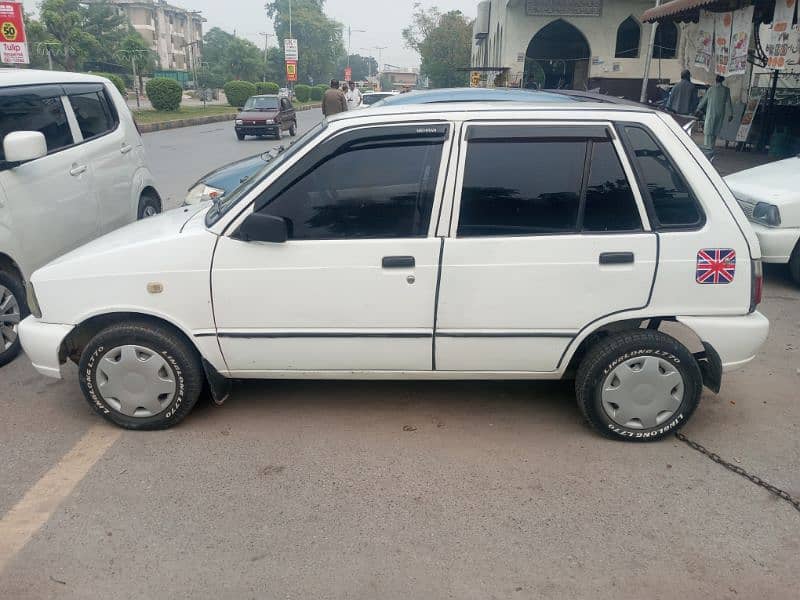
(151, 191)
(9, 265)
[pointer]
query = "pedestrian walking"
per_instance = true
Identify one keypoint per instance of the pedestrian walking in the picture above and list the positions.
(683, 98)
(717, 103)
(333, 101)
(353, 96)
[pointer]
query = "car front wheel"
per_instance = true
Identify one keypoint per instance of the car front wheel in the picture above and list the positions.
(794, 264)
(12, 309)
(140, 376)
(638, 386)
(293, 129)
(149, 205)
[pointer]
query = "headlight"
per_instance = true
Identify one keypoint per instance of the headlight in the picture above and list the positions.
(203, 193)
(238, 121)
(33, 303)
(767, 214)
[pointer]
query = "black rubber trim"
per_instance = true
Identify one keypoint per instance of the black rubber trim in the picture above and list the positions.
(508, 334)
(509, 133)
(617, 258)
(436, 304)
(236, 335)
(398, 262)
(203, 335)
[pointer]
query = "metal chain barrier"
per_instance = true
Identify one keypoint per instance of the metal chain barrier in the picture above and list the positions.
(740, 471)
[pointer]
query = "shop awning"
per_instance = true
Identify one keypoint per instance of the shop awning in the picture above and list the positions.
(689, 10)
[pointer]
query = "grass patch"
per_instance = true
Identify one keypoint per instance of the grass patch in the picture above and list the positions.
(185, 112)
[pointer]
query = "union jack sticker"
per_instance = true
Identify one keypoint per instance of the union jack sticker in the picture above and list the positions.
(716, 266)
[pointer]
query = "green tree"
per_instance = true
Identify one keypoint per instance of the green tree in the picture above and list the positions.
(319, 38)
(443, 41)
(133, 52)
(362, 66)
(229, 57)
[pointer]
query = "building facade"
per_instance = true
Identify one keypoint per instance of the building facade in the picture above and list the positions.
(174, 34)
(577, 44)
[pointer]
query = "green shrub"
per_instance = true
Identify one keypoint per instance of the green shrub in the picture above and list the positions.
(317, 92)
(212, 81)
(302, 92)
(118, 82)
(238, 92)
(267, 87)
(164, 94)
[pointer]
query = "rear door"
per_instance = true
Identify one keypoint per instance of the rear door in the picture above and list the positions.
(548, 234)
(110, 154)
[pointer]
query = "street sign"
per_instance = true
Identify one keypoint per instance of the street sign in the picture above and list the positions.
(348, 74)
(290, 50)
(13, 45)
(291, 70)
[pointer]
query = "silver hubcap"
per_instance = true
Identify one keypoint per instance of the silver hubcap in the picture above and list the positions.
(9, 318)
(642, 393)
(150, 211)
(136, 381)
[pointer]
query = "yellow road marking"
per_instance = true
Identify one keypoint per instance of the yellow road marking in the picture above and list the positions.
(28, 515)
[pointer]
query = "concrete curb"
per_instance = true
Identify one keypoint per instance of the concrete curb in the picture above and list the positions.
(164, 125)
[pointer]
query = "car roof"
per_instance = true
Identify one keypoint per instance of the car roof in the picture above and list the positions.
(474, 95)
(459, 110)
(9, 77)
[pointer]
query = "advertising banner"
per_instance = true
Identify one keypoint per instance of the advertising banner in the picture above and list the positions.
(704, 42)
(747, 119)
(740, 40)
(723, 23)
(348, 73)
(13, 45)
(779, 48)
(290, 50)
(291, 70)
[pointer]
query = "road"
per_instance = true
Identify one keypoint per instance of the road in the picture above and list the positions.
(397, 489)
(179, 157)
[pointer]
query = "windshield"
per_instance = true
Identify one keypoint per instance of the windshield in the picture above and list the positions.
(261, 103)
(373, 98)
(274, 158)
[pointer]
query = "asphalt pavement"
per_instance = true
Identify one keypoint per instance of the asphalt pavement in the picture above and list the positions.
(301, 489)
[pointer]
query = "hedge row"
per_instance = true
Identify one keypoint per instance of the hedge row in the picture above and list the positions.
(238, 92)
(267, 87)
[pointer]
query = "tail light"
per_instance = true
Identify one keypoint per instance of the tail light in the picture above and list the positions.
(757, 287)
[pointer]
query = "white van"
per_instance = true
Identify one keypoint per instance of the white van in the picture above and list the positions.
(72, 167)
(554, 240)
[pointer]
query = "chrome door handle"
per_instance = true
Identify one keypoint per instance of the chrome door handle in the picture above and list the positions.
(76, 170)
(126, 148)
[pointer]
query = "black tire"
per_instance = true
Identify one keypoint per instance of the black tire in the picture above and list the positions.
(182, 360)
(149, 205)
(240, 136)
(794, 264)
(16, 289)
(293, 129)
(606, 355)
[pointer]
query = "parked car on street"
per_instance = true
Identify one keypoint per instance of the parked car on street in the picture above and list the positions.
(266, 115)
(72, 167)
(371, 98)
(508, 241)
(770, 198)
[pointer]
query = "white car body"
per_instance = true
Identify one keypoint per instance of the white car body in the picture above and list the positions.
(79, 192)
(494, 307)
(776, 184)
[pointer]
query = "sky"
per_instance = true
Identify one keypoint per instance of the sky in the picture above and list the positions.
(382, 20)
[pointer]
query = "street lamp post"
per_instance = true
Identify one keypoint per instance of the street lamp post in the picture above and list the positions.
(266, 49)
(350, 31)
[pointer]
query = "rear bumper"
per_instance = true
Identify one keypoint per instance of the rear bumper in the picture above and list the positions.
(42, 342)
(737, 340)
(776, 243)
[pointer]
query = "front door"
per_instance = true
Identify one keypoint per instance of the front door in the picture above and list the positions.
(550, 235)
(354, 286)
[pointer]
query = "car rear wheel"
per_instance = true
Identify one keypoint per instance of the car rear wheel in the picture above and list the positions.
(140, 376)
(794, 264)
(13, 309)
(638, 386)
(149, 205)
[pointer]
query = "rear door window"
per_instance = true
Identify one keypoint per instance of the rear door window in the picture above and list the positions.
(33, 110)
(93, 113)
(610, 204)
(672, 203)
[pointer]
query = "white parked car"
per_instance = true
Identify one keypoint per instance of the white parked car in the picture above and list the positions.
(539, 241)
(72, 167)
(770, 197)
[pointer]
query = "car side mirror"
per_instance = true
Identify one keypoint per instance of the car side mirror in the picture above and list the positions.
(259, 227)
(24, 146)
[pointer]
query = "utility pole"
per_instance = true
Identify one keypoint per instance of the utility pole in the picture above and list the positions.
(648, 59)
(290, 18)
(380, 50)
(266, 48)
(350, 31)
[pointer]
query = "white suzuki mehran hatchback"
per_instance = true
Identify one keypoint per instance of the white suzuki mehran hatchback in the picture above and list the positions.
(500, 241)
(72, 168)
